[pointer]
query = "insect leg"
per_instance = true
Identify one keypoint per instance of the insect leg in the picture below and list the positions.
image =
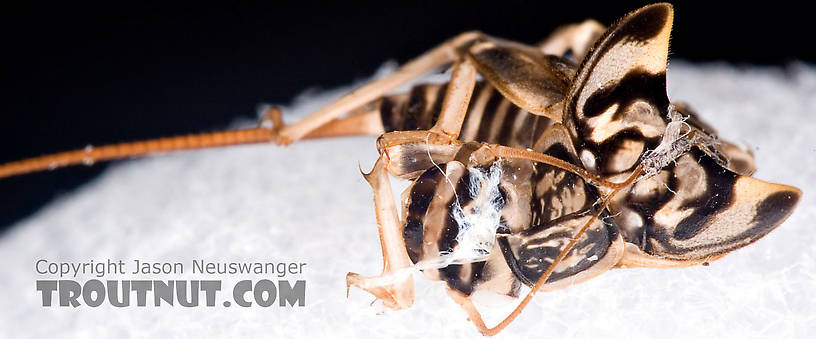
(518, 153)
(363, 122)
(442, 54)
(412, 152)
(473, 313)
(457, 99)
(271, 122)
(395, 286)
(319, 124)
(577, 38)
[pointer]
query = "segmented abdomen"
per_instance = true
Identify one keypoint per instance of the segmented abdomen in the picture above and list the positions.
(490, 118)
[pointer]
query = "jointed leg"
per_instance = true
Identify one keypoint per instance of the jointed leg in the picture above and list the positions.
(395, 287)
(476, 317)
(393, 141)
(442, 54)
(277, 132)
(518, 153)
(359, 123)
(457, 99)
(473, 313)
(399, 138)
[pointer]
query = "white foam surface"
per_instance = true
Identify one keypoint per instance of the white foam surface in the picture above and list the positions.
(309, 203)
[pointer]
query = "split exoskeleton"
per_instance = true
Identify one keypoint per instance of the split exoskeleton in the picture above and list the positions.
(537, 165)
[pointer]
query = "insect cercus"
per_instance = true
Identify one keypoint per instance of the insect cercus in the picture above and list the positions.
(535, 167)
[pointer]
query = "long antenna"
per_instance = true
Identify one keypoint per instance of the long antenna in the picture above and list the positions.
(90, 154)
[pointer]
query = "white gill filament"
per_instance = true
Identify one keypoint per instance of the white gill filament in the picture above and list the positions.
(477, 227)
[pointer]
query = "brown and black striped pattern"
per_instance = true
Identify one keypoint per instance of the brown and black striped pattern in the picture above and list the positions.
(490, 118)
(430, 229)
(561, 203)
(701, 206)
(525, 248)
(696, 209)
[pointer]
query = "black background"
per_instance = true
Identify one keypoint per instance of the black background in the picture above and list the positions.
(96, 74)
